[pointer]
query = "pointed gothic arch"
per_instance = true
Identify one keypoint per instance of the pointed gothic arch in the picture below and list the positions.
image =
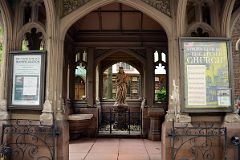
(67, 21)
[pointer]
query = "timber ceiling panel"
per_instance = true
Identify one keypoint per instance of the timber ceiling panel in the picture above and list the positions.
(118, 25)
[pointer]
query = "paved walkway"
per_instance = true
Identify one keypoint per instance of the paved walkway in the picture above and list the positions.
(114, 149)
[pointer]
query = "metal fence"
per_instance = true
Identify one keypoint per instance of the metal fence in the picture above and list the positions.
(201, 141)
(124, 123)
(28, 140)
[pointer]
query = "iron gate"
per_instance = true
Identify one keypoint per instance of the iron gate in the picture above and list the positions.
(201, 141)
(28, 140)
(132, 122)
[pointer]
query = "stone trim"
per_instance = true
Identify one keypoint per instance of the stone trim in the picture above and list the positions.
(71, 5)
(161, 5)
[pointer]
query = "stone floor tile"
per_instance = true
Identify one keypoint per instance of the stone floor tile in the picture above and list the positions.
(77, 156)
(155, 157)
(133, 157)
(98, 156)
(114, 149)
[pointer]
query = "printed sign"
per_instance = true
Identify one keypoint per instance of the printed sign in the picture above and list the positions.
(206, 74)
(27, 79)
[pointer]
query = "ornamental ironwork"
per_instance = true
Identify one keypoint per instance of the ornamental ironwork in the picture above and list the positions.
(28, 139)
(200, 141)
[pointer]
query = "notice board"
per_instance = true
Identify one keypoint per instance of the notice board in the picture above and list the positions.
(206, 79)
(27, 80)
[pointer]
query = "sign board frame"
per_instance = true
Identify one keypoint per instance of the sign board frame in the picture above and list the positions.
(226, 106)
(26, 89)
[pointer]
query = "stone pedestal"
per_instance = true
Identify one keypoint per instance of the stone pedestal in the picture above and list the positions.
(120, 116)
(156, 115)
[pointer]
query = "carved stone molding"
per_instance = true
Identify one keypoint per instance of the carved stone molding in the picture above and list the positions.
(46, 117)
(3, 110)
(161, 5)
(71, 5)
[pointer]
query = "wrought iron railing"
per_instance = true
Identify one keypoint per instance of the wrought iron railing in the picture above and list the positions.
(109, 123)
(28, 140)
(201, 141)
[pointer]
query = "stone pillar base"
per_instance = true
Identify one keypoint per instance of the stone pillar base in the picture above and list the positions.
(62, 140)
(155, 115)
(155, 129)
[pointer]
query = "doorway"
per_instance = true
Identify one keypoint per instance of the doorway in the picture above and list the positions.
(116, 34)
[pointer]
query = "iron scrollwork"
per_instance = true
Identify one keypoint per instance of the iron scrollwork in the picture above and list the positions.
(202, 141)
(26, 139)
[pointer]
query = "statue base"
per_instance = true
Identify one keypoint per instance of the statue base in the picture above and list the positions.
(121, 118)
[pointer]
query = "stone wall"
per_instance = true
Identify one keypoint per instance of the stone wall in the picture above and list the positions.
(236, 58)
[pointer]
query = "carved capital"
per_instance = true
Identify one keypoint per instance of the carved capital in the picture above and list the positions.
(232, 118)
(3, 110)
(46, 117)
(60, 115)
(170, 116)
(183, 118)
(47, 106)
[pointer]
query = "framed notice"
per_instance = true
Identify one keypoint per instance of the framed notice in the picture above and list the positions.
(27, 80)
(206, 79)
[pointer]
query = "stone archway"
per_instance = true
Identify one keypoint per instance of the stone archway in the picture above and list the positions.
(165, 21)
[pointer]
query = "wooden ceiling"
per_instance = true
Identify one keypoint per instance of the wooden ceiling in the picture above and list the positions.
(115, 17)
(117, 25)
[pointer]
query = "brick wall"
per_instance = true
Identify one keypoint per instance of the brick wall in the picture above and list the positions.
(236, 58)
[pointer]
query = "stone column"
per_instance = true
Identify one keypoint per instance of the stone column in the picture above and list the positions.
(100, 88)
(7, 46)
(149, 77)
(54, 107)
(3, 101)
(90, 77)
(174, 110)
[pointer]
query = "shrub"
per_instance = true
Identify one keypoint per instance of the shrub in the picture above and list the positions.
(162, 95)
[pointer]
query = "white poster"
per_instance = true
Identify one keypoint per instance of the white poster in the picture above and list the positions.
(196, 85)
(224, 97)
(30, 86)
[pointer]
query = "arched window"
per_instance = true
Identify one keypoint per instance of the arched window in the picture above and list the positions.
(160, 62)
(27, 16)
(80, 75)
(33, 11)
(109, 81)
(199, 11)
(33, 40)
(191, 12)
